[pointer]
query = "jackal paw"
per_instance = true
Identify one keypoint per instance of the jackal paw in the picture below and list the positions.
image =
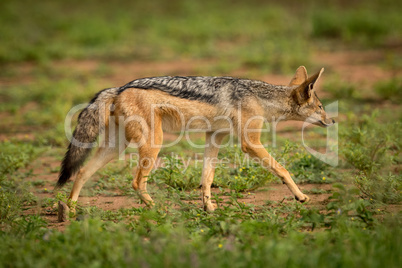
(305, 199)
(73, 212)
(209, 207)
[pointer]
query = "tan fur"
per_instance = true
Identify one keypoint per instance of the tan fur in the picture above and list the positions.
(147, 114)
(299, 77)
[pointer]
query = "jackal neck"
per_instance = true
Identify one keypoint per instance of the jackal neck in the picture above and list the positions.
(276, 100)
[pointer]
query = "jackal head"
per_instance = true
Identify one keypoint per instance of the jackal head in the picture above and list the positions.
(305, 102)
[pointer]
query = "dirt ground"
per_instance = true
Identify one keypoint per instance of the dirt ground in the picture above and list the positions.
(357, 67)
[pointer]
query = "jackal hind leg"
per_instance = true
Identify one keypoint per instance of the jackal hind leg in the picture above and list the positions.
(102, 156)
(253, 147)
(212, 143)
(148, 153)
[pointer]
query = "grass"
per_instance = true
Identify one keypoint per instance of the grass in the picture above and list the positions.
(390, 90)
(85, 241)
(57, 54)
(359, 26)
(264, 36)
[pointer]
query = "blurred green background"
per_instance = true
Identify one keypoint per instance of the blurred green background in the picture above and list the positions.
(273, 35)
(55, 54)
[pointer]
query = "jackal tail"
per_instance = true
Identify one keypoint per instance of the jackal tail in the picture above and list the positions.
(91, 123)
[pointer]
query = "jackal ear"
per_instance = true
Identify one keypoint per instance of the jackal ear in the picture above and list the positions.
(304, 92)
(299, 77)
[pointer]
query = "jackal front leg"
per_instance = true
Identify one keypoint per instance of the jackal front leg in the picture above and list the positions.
(212, 143)
(256, 150)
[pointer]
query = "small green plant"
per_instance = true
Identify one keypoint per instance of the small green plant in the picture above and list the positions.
(373, 148)
(390, 90)
(384, 188)
(307, 168)
(174, 175)
(347, 204)
(368, 145)
(238, 172)
(317, 191)
(14, 156)
(10, 205)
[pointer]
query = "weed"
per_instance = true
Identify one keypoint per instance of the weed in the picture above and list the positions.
(384, 188)
(368, 144)
(14, 156)
(174, 175)
(373, 148)
(317, 191)
(390, 90)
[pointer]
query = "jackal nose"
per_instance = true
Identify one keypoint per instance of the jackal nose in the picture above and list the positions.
(333, 121)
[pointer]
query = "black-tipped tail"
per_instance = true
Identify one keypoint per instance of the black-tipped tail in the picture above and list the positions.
(73, 160)
(91, 122)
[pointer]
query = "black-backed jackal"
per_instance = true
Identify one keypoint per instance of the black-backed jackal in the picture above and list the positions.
(142, 109)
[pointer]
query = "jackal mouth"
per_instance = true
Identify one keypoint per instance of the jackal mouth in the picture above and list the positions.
(324, 124)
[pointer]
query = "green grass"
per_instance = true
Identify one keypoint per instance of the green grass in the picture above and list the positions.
(359, 26)
(266, 36)
(350, 229)
(390, 90)
(158, 31)
(235, 235)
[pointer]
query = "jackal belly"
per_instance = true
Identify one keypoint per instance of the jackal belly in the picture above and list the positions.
(176, 114)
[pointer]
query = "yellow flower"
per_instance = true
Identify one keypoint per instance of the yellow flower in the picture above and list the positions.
(309, 156)
(248, 193)
(236, 177)
(379, 210)
(323, 178)
(220, 246)
(353, 219)
(45, 189)
(202, 230)
(198, 215)
(240, 169)
(112, 179)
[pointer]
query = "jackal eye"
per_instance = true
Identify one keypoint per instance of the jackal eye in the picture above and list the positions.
(320, 106)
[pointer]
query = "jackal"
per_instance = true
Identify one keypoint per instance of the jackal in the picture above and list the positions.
(144, 108)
